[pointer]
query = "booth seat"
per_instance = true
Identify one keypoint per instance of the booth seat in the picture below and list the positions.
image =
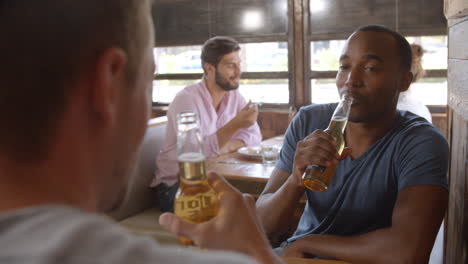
(138, 212)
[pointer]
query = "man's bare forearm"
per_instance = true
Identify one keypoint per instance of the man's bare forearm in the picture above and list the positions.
(276, 210)
(225, 133)
(232, 145)
(382, 246)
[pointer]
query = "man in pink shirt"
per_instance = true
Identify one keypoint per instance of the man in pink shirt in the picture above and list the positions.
(227, 121)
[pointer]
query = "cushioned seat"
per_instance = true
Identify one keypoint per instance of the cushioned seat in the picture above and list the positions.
(138, 211)
(146, 224)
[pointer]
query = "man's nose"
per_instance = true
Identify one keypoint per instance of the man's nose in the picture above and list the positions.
(237, 69)
(354, 78)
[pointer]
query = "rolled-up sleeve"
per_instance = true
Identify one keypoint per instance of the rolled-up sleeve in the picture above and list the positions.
(252, 136)
(210, 142)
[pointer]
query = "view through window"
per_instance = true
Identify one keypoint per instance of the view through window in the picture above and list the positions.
(256, 58)
(429, 90)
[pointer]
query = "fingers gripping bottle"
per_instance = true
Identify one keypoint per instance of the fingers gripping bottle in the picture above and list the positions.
(317, 178)
(195, 200)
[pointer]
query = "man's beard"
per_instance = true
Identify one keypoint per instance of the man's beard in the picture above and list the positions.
(224, 83)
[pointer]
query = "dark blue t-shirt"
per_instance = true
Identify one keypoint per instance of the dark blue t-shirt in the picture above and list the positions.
(363, 191)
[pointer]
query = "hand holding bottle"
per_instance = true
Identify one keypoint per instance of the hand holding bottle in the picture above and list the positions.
(236, 226)
(317, 177)
(317, 148)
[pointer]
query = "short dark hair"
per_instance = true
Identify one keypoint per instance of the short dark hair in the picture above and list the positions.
(215, 48)
(48, 44)
(403, 45)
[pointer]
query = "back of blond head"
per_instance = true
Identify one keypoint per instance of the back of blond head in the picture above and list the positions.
(45, 47)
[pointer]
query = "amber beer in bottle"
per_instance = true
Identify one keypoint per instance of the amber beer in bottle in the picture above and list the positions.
(317, 178)
(195, 200)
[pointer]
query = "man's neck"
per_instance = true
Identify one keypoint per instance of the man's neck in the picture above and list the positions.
(43, 183)
(216, 92)
(361, 136)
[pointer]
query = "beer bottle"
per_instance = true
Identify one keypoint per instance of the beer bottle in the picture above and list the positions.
(195, 200)
(317, 178)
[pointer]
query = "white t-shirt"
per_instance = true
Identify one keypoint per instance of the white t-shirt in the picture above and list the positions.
(408, 102)
(64, 235)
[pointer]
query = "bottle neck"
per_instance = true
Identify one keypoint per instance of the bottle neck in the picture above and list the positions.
(192, 166)
(337, 126)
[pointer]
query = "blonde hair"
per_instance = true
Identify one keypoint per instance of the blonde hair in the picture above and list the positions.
(416, 66)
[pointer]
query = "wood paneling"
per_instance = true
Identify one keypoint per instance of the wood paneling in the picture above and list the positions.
(299, 55)
(457, 46)
(458, 88)
(440, 121)
(457, 216)
(455, 8)
(273, 122)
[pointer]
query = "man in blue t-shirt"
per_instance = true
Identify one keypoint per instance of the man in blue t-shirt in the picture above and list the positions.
(389, 192)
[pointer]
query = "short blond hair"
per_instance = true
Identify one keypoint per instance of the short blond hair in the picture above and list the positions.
(47, 44)
(416, 66)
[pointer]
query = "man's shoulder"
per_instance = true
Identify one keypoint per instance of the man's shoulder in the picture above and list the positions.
(187, 99)
(46, 230)
(318, 110)
(415, 133)
(189, 91)
(54, 234)
(412, 125)
(316, 116)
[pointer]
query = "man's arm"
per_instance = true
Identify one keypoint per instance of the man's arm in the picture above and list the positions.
(232, 145)
(278, 201)
(416, 218)
(276, 204)
(245, 118)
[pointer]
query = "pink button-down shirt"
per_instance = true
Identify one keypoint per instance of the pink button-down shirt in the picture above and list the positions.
(196, 98)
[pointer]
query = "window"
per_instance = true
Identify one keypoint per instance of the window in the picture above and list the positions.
(431, 90)
(264, 67)
(184, 59)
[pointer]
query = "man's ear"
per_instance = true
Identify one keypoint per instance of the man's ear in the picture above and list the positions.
(406, 79)
(109, 77)
(209, 68)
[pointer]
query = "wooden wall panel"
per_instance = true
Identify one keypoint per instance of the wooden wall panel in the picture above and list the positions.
(457, 216)
(455, 8)
(456, 246)
(458, 86)
(273, 122)
(458, 40)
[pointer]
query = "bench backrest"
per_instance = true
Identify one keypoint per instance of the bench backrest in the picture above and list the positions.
(139, 196)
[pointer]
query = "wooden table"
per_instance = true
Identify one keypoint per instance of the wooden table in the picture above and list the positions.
(240, 167)
(312, 261)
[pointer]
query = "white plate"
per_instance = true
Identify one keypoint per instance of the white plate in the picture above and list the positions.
(254, 152)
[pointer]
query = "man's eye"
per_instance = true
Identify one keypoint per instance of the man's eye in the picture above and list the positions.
(370, 68)
(343, 67)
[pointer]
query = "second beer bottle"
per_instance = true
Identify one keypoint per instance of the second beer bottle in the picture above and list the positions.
(195, 200)
(317, 178)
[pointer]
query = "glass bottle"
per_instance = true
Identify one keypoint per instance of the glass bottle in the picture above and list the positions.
(195, 200)
(317, 178)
